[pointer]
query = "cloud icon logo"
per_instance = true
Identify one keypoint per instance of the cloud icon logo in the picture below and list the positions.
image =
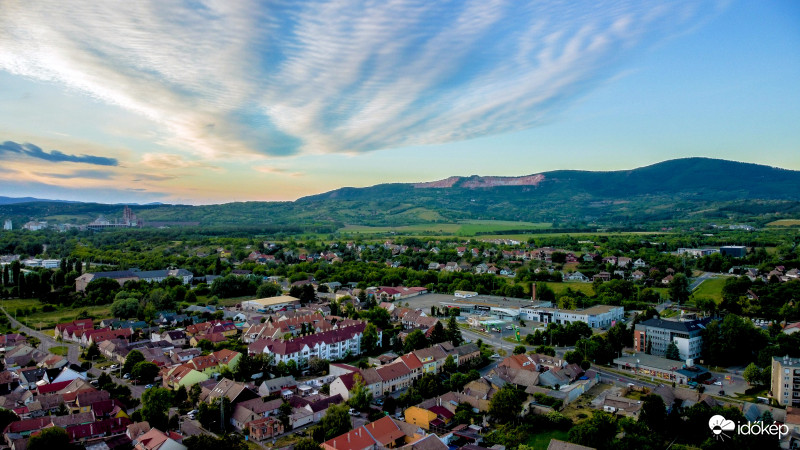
(719, 424)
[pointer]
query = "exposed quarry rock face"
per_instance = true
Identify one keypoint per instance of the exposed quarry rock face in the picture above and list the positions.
(482, 182)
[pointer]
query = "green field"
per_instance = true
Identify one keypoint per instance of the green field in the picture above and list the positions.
(558, 288)
(44, 320)
(711, 288)
(466, 228)
(542, 440)
(59, 350)
(785, 223)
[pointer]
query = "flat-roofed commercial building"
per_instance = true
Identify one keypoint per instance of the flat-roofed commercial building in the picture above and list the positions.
(655, 335)
(270, 303)
(598, 316)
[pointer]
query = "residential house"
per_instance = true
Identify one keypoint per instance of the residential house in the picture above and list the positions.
(156, 440)
(265, 428)
(250, 410)
(394, 376)
(276, 385)
(234, 391)
(576, 276)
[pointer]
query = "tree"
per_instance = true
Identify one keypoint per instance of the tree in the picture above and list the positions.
(453, 331)
(546, 350)
(415, 340)
(268, 290)
(506, 405)
(134, 357)
(438, 334)
(284, 413)
(155, 405)
(369, 340)
(92, 352)
(653, 413)
(6, 417)
(194, 393)
(672, 352)
(449, 365)
(752, 374)
(679, 289)
(125, 308)
(360, 396)
(336, 421)
(144, 371)
(573, 357)
(306, 443)
(598, 432)
(619, 337)
(520, 349)
(50, 438)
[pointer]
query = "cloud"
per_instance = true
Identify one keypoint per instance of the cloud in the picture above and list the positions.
(95, 174)
(277, 79)
(277, 171)
(34, 151)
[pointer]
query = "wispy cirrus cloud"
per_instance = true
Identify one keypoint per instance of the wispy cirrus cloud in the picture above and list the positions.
(283, 78)
(30, 150)
(94, 174)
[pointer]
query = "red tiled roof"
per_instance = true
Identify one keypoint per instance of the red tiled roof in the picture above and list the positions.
(384, 430)
(53, 387)
(352, 440)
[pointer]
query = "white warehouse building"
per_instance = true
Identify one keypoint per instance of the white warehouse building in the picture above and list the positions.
(598, 316)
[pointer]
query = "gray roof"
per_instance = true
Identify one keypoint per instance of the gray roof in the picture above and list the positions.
(687, 326)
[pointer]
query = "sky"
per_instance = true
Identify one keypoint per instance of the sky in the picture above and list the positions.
(213, 101)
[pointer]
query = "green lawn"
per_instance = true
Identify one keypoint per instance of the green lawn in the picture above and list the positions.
(59, 350)
(542, 440)
(711, 288)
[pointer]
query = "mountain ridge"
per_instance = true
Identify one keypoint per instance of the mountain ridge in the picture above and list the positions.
(688, 189)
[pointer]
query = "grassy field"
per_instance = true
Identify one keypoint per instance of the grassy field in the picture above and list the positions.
(44, 320)
(542, 440)
(785, 223)
(558, 288)
(711, 288)
(59, 350)
(466, 228)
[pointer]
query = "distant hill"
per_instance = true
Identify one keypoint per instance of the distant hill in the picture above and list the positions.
(691, 189)
(13, 200)
(670, 190)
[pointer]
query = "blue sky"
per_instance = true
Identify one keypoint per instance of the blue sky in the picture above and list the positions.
(211, 101)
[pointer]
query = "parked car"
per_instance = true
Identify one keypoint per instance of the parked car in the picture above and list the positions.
(353, 412)
(114, 366)
(148, 386)
(718, 383)
(510, 327)
(127, 376)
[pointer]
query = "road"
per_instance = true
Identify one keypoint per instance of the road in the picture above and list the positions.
(699, 280)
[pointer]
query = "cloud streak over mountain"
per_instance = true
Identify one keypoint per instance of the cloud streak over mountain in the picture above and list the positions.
(246, 78)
